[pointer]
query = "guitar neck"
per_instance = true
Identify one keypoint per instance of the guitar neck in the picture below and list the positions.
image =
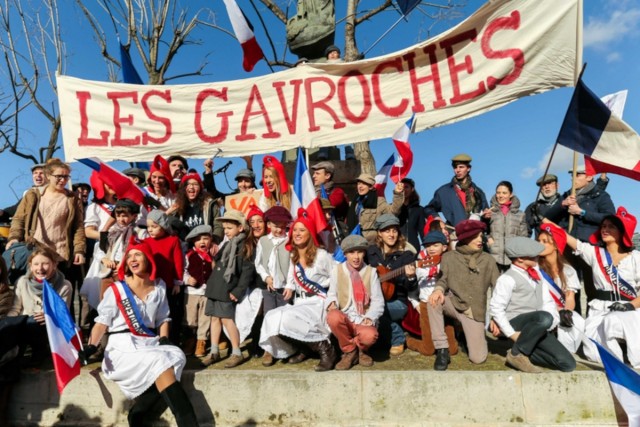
(423, 263)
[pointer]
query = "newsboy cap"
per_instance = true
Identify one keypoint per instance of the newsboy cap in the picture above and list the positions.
(522, 247)
(328, 166)
(199, 231)
(434, 236)
(545, 179)
(469, 228)
(462, 157)
(233, 216)
(354, 242)
(367, 179)
(386, 220)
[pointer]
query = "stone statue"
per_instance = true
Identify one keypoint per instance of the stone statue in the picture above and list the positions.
(312, 29)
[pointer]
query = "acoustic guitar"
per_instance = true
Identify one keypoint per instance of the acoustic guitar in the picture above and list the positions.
(386, 275)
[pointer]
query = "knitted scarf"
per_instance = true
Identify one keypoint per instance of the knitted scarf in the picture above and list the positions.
(584, 190)
(229, 252)
(471, 256)
(360, 296)
(466, 186)
(37, 287)
(116, 231)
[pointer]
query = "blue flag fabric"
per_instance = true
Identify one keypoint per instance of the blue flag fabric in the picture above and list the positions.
(129, 73)
(406, 6)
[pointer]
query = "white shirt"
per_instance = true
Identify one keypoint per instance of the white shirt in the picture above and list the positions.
(501, 297)
(628, 268)
(376, 304)
(262, 271)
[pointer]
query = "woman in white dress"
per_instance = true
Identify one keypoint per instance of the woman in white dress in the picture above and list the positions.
(302, 326)
(563, 285)
(613, 314)
(142, 362)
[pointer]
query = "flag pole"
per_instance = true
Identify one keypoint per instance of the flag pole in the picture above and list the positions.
(553, 151)
(573, 186)
(382, 36)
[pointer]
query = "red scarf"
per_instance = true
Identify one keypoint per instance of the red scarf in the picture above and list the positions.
(359, 292)
(205, 255)
(505, 208)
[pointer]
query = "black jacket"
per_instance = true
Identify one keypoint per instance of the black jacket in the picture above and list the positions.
(393, 260)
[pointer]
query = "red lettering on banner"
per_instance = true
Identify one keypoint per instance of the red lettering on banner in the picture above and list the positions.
(507, 23)
(397, 110)
(344, 101)
(118, 120)
(224, 125)
(166, 95)
(456, 68)
(322, 104)
(255, 96)
(434, 77)
(84, 140)
(290, 119)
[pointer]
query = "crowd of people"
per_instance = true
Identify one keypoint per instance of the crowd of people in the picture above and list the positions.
(181, 276)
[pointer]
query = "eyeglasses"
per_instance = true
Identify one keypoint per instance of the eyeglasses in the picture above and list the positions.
(61, 177)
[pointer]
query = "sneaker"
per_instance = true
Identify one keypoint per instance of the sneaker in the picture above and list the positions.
(267, 359)
(442, 359)
(348, 360)
(396, 350)
(189, 346)
(522, 363)
(210, 359)
(365, 360)
(234, 361)
(201, 348)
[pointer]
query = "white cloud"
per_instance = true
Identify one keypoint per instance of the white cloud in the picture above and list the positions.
(614, 57)
(561, 164)
(529, 173)
(600, 32)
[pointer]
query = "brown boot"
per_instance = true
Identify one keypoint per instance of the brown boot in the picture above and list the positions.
(327, 355)
(201, 348)
(210, 359)
(234, 361)
(364, 359)
(348, 360)
(267, 359)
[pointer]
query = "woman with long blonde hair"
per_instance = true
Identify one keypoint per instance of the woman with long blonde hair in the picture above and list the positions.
(276, 188)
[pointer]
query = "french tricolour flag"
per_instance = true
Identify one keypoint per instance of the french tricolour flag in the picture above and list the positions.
(304, 194)
(624, 382)
(120, 183)
(64, 338)
(244, 33)
(383, 174)
(590, 128)
(403, 165)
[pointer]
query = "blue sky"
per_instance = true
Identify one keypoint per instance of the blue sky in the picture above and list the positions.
(512, 143)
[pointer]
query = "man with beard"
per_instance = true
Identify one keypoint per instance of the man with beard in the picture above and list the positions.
(547, 197)
(178, 167)
(460, 198)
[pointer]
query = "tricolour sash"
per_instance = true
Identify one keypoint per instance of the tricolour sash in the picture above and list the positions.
(129, 309)
(309, 286)
(620, 286)
(556, 291)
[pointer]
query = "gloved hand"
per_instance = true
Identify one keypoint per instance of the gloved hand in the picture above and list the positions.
(86, 353)
(165, 341)
(621, 306)
(566, 318)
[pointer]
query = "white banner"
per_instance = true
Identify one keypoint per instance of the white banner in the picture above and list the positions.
(506, 50)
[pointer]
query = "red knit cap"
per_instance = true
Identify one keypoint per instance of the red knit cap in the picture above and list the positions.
(193, 176)
(160, 165)
(143, 247)
(97, 185)
(270, 161)
(305, 219)
(254, 211)
(624, 221)
(557, 234)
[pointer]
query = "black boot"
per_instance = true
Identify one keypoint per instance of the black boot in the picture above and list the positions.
(180, 405)
(327, 355)
(442, 359)
(302, 348)
(147, 407)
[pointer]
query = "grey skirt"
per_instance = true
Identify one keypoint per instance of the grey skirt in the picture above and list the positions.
(221, 309)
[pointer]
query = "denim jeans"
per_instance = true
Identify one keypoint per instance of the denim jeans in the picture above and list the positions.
(395, 311)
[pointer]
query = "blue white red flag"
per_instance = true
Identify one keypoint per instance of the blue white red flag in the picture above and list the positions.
(304, 195)
(383, 174)
(590, 128)
(129, 73)
(244, 33)
(120, 183)
(624, 382)
(64, 338)
(407, 6)
(402, 166)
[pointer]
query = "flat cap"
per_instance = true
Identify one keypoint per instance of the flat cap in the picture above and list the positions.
(233, 216)
(580, 169)
(434, 236)
(278, 214)
(354, 242)
(331, 48)
(367, 179)
(522, 247)
(199, 231)
(328, 166)
(133, 207)
(462, 157)
(245, 173)
(386, 220)
(135, 172)
(160, 218)
(545, 179)
(37, 166)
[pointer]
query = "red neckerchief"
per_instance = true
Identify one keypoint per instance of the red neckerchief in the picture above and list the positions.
(533, 274)
(205, 255)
